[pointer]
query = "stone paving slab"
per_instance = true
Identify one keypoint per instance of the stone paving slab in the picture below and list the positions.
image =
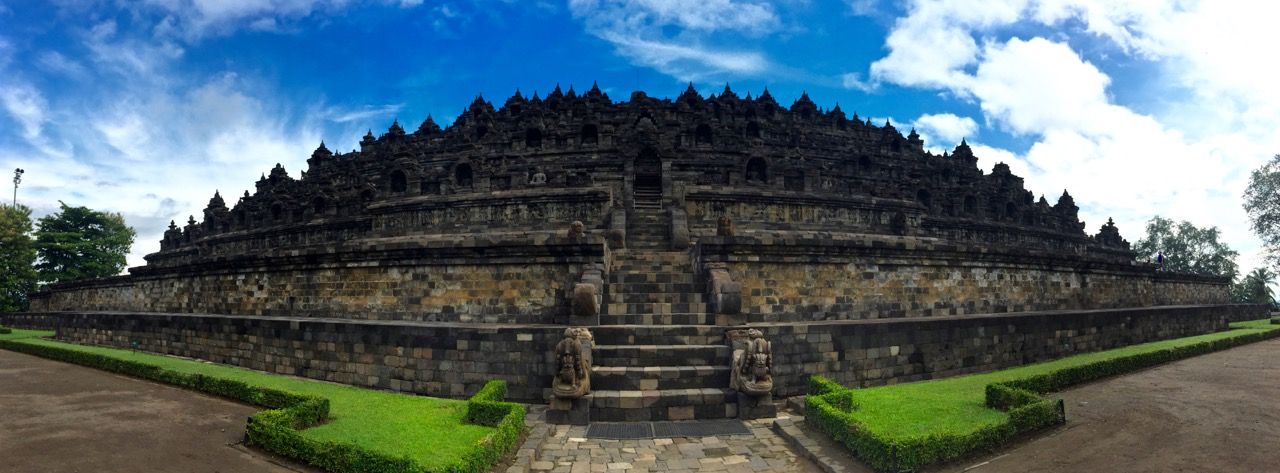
(566, 449)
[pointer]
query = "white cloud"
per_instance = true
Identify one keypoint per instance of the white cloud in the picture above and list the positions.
(152, 147)
(675, 37)
(56, 63)
(25, 105)
(193, 20)
(946, 128)
(1187, 159)
(854, 80)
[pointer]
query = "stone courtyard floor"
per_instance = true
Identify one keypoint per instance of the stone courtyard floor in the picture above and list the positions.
(59, 417)
(565, 449)
(1218, 412)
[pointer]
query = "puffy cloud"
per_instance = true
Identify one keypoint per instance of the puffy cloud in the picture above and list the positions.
(1186, 157)
(854, 80)
(946, 129)
(153, 147)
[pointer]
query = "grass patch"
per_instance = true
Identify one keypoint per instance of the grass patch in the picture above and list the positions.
(905, 426)
(432, 432)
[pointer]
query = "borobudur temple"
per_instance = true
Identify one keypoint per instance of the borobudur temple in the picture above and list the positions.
(649, 259)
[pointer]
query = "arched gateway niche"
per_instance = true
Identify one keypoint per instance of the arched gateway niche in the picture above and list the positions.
(648, 170)
(757, 171)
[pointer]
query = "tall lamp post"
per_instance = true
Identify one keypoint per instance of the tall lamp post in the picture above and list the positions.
(17, 179)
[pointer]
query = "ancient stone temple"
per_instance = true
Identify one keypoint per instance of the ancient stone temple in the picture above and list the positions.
(700, 247)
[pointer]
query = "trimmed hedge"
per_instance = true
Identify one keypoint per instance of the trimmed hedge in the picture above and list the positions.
(5, 330)
(279, 428)
(829, 408)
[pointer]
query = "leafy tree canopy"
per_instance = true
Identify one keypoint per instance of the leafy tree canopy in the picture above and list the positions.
(1262, 202)
(1255, 288)
(80, 243)
(1188, 248)
(17, 255)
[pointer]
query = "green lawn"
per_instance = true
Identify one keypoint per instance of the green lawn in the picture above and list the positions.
(957, 405)
(428, 430)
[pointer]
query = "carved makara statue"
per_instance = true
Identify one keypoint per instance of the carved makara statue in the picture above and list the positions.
(752, 363)
(573, 358)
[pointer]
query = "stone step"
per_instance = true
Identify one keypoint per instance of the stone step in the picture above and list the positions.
(698, 334)
(649, 255)
(649, 277)
(660, 405)
(657, 319)
(660, 355)
(655, 257)
(643, 297)
(649, 244)
(673, 287)
(658, 377)
(655, 307)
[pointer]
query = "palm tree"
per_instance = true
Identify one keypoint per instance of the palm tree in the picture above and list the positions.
(1258, 286)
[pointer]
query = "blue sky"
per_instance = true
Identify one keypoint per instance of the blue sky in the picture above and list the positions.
(147, 107)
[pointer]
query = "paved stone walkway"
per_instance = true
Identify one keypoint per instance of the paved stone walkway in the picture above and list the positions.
(565, 449)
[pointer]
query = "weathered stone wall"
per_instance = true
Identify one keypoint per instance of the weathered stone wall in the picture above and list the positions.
(826, 278)
(870, 353)
(452, 359)
(383, 280)
(441, 359)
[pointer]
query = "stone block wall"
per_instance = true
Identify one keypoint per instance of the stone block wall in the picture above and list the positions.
(448, 360)
(787, 279)
(386, 280)
(455, 359)
(871, 353)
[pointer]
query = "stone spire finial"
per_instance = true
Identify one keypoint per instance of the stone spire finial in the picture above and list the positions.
(429, 126)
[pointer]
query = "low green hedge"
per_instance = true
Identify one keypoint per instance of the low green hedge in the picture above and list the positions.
(486, 408)
(829, 406)
(278, 429)
(5, 330)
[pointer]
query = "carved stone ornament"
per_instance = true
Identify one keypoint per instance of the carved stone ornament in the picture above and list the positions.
(573, 363)
(751, 372)
(724, 226)
(576, 229)
(538, 179)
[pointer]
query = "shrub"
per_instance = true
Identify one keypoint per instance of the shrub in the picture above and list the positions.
(486, 408)
(5, 330)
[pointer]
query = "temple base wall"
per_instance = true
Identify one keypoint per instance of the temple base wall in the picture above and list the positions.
(859, 277)
(447, 359)
(483, 283)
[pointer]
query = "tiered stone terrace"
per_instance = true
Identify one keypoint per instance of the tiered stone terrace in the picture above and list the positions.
(697, 214)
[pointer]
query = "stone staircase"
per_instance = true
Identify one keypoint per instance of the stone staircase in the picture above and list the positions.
(651, 287)
(656, 355)
(660, 373)
(648, 226)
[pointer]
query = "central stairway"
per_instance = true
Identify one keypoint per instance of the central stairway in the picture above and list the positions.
(656, 356)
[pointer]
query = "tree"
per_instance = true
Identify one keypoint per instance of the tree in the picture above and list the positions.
(17, 255)
(1255, 288)
(1188, 248)
(1262, 202)
(79, 243)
